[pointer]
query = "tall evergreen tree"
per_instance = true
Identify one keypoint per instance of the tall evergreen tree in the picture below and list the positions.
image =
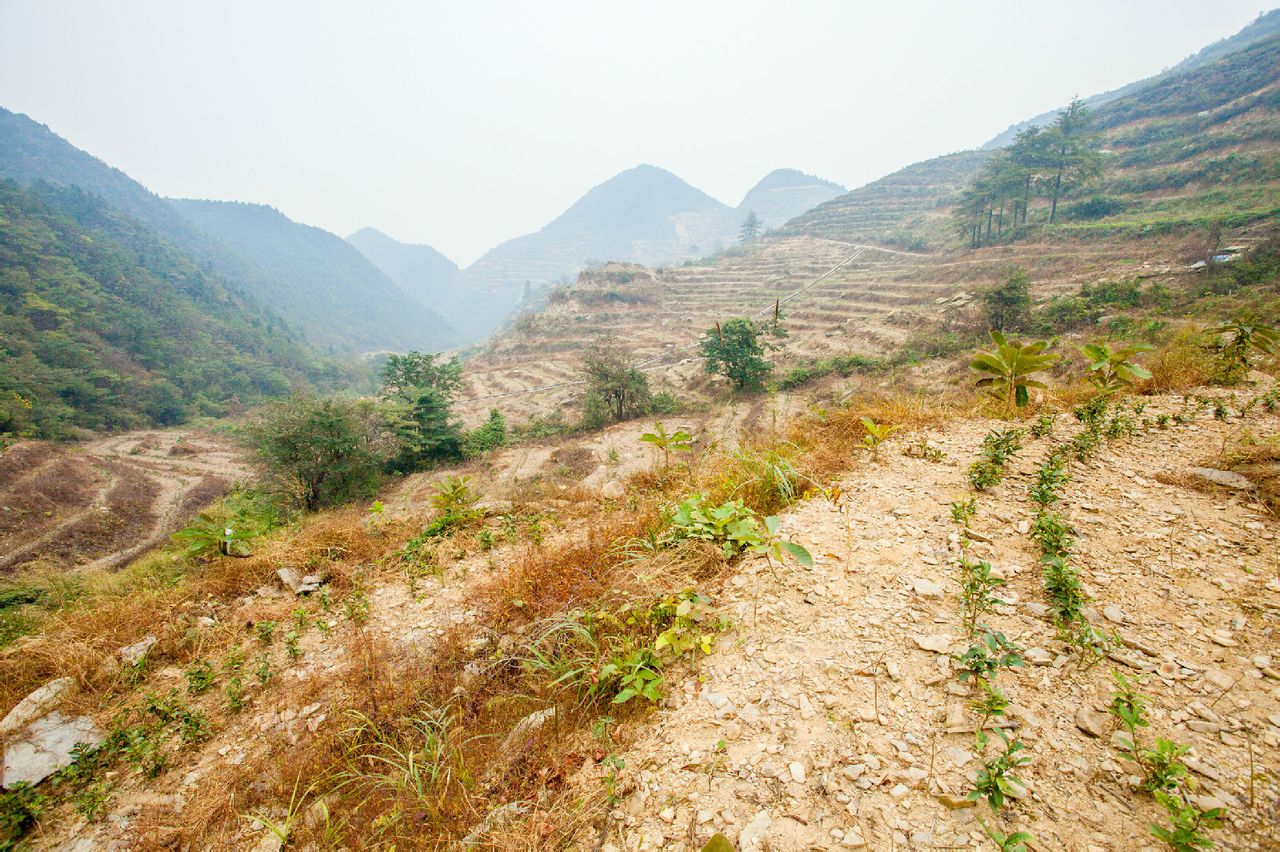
(750, 230)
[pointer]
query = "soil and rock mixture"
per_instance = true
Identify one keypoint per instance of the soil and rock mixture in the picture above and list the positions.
(832, 715)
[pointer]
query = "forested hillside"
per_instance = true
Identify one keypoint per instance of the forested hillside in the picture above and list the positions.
(107, 325)
(340, 302)
(321, 283)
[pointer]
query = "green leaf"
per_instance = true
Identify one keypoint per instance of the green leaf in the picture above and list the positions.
(799, 553)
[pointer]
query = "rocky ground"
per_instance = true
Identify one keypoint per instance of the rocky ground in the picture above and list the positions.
(831, 716)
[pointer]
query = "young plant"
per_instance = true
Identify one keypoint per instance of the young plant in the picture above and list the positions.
(1050, 477)
(265, 631)
(1187, 823)
(1007, 369)
(1236, 342)
(1044, 425)
(1113, 370)
(1015, 841)
(875, 433)
(1053, 534)
(454, 495)
(963, 511)
(208, 535)
(977, 591)
(995, 778)
(1065, 593)
(987, 656)
(200, 676)
(679, 441)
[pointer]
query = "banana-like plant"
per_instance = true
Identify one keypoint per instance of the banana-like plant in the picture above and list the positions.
(1007, 369)
(1236, 340)
(1112, 370)
(876, 433)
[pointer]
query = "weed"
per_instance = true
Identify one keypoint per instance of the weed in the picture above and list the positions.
(234, 692)
(1066, 595)
(486, 539)
(200, 676)
(91, 800)
(20, 809)
(1013, 842)
(265, 631)
(997, 448)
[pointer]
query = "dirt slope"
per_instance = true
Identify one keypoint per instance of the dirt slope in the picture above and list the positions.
(838, 726)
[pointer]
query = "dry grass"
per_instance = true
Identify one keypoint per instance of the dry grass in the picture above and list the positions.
(1179, 363)
(1258, 460)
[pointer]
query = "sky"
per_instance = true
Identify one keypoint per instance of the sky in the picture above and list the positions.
(463, 124)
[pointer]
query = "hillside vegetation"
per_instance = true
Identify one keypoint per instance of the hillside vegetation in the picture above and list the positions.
(107, 325)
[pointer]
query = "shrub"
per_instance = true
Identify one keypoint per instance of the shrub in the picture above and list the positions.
(734, 350)
(319, 451)
(1008, 305)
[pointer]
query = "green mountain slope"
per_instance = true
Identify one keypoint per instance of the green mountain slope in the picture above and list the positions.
(425, 274)
(321, 283)
(1185, 150)
(104, 324)
(375, 315)
(1266, 26)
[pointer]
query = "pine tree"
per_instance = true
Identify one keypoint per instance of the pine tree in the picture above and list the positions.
(750, 230)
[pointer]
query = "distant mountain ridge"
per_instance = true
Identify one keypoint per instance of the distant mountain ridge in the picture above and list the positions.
(643, 215)
(323, 284)
(366, 311)
(1265, 26)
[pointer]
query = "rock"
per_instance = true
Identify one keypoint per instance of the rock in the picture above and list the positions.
(755, 832)
(1091, 721)
(927, 588)
(46, 747)
(1038, 657)
(1225, 478)
(524, 728)
(496, 817)
(1219, 678)
(269, 842)
(939, 644)
(797, 772)
(667, 815)
(613, 490)
(36, 704)
(953, 802)
(289, 578)
(957, 718)
(1114, 614)
(898, 791)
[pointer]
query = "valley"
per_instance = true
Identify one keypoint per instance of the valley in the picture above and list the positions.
(936, 513)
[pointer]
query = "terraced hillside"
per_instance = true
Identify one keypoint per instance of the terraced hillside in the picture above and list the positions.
(836, 298)
(1189, 154)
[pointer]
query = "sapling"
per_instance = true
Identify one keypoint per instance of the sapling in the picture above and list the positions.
(876, 433)
(1013, 842)
(1052, 533)
(1188, 823)
(995, 778)
(977, 587)
(1044, 425)
(1050, 477)
(963, 511)
(987, 656)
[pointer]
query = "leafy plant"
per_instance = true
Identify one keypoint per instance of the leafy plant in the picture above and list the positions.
(678, 441)
(1237, 341)
(876, 433)
(200, 677)
(998, 446)
(20, 809)
(1050, 477)
(1187, 823)
(1052, 533)
(1015, 841)
(977, 591)
(963, 511)
(1112, 370)
(1044, 425)
(208, 535)
(1062, 587)
(985, 657)
(638, 675)
(1008, 369)
(454, 494)
(734, 350)
(265, 630)
(995, 778)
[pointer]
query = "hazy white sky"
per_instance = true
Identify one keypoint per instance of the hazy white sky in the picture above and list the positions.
(466, 123)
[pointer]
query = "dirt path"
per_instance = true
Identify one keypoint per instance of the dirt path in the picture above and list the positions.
(820, 721)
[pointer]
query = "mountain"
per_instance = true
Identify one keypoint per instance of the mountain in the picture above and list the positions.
(350, 307)
(319, 281)
(106, 324)
(426, 275)
(784, 193)
(642, 215)
(1264, 27)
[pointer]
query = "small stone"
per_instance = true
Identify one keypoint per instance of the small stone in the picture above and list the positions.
(797, 772)
(1038, 657)
(898, 791)
(1219, 678)
(939, 644)
(755, 832)
(1114, 614)
(1091, 721)
(613, 490)
(927, 588)
(667, 815)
